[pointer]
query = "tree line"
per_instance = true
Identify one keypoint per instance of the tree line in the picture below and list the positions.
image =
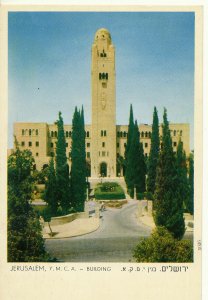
(65, 191)
(166, 178)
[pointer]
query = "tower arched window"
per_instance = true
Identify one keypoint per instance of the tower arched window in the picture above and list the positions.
(146, 134)
(55, 133)
(36, 131)
(67, 134)
(88, 134)
(23, 132)
(149, 134)
(118, 134)
(181, 132)
(142, 135)
(70, 133)
(174, 132)
(30, 131)
(121, 134)
(124, 134)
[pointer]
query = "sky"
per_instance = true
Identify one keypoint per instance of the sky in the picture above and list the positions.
(50, 65)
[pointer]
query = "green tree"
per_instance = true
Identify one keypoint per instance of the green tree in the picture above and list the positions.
(128, 144)
(78, 156)
(161, 246)
(62, 169)
(168, 206)
(154, 154)
(181, 165)
(50, 194)
(190, 202)
(25, 242)
(136, 167)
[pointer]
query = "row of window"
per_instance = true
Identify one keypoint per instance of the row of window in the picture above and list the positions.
(103, 133)
(174, 132)
(144, 144)
(103, 153)
(30, 144)
(30, 132)
(67, 145)
(52, 154)
(103, 76)
(67, 134)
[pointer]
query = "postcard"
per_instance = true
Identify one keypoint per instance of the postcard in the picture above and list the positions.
(101, 164)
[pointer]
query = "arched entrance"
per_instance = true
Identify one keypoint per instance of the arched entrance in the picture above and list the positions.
(103, 169)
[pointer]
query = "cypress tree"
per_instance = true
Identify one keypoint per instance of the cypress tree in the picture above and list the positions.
(136, 164)
(190, 203)
(128, 144)
(78, 168)
(50, 194)
(154, 154)
(181, 165)
(168, 206)
(83, 161)
(62, 169)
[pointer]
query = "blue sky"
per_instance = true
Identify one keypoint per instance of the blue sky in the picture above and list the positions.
(50, 61)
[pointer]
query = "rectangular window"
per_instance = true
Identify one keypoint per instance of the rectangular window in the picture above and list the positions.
(103, 153)
(101, 133)
(37, 144)
(23, 132)
(174, 144)
(88, 145)
(88, 154)
(30, 144)
(105, 133)
(36, 131)
(37, 154)
(22, 144)
(103, 144)
(146, 145)
(88, 134)
(117, 145)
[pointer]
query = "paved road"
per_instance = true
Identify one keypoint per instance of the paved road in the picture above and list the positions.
(118, 234)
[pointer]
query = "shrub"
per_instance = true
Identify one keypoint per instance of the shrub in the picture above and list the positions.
(161, 246)
(109, 191)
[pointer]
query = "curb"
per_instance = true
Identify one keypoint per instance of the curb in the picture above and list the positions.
(66, 237)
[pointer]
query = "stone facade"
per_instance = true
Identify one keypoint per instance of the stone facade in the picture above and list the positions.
(105, 141)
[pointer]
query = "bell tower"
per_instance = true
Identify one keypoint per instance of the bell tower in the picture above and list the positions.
(103, 130)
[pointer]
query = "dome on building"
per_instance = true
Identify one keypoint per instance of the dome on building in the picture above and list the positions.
(102, 33)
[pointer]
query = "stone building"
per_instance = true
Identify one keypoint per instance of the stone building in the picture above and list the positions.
(105, 141)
